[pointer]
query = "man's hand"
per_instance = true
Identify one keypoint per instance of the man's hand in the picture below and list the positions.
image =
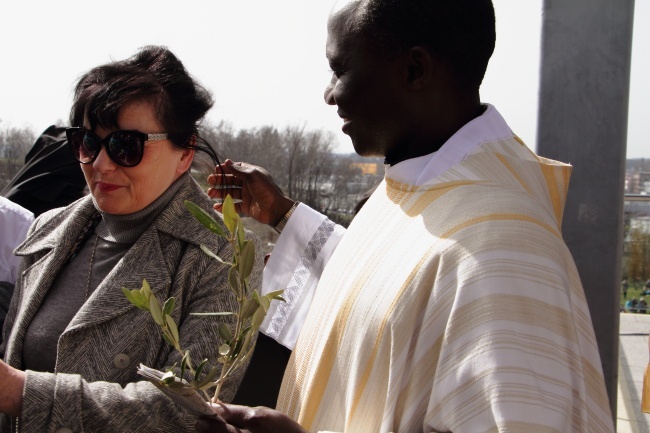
(243, 419)
(260, 197)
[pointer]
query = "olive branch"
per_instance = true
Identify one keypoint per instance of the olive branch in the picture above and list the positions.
(238, 344)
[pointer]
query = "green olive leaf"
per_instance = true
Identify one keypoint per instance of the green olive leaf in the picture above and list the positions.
(136, 298)
(275, 295)
(241, 235)
(156, 311)
(224, 332)
(169, 340)
(257, 319)
(250, 306)
(169, 306)
(264, 302)
(246, 334)
(205, 218)
(207, 251)
(247, 260)
(220, 313)
(199, 369)
(184, 362)
(230, 217)
(173, 328)
(233, 280)
(146, 289)
(130, 296)
(206, 382)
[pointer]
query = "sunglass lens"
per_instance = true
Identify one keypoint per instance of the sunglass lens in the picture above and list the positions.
(85, 144)
(89, 146)
(126, 148)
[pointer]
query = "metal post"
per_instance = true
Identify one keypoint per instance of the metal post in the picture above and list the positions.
(583, 108)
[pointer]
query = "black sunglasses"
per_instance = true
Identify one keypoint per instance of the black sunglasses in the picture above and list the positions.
(125, 148)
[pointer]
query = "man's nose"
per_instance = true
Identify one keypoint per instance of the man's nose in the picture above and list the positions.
(329, 91)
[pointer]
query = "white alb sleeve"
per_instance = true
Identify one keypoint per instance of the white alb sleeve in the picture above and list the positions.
(296, 264)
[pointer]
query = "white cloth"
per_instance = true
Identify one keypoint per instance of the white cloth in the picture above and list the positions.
(451, 304)
(14, 223)
(299, 257)
(309, 238)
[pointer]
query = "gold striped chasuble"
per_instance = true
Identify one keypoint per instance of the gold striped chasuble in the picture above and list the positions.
(453, 306)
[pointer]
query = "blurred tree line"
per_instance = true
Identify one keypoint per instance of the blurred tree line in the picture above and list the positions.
(14, 144)
(636, 256)
(301, 161)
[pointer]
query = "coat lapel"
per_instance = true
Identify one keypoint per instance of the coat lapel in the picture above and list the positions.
(46, 251)
(142, 261)
(145, 260)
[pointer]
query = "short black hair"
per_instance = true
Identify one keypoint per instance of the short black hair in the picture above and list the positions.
(461, 31)
(153, 74)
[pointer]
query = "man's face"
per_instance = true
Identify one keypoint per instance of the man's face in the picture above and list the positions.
(365, 86)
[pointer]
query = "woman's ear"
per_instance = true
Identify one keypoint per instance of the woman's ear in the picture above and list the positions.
(187, 156)
(420, 64)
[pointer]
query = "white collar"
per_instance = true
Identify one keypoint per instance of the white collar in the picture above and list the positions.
(489, 126)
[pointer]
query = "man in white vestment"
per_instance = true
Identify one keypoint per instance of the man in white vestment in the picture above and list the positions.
(451, 303)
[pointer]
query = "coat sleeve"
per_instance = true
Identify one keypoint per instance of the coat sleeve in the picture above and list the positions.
(54, 401)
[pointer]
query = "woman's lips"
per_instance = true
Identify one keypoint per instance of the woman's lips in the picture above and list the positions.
(106, 187)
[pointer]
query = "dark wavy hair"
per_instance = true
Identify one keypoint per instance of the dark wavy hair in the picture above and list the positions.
(461, 31)
(153, 74)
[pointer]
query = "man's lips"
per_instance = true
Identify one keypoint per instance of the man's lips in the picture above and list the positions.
(346, 120)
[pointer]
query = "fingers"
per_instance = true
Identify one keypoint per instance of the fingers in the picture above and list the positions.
(223, 185)
(215, 425)
(233, 414)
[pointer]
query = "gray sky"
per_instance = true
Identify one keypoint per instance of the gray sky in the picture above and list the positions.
(263, 60)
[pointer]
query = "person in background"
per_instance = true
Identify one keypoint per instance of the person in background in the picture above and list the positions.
(642, 306)
(451, 303)
(645, 393)
(14, 223)
(72, 339)
(50, 177)
(630, 305)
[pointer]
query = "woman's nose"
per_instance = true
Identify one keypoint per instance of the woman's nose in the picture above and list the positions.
(103, 163)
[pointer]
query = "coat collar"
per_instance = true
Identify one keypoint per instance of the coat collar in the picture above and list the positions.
(59, 228)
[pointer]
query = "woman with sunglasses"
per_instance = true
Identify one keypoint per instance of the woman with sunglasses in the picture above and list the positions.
(72, 340)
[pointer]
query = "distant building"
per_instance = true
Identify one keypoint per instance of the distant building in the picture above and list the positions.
(365, 167)
(637, 212)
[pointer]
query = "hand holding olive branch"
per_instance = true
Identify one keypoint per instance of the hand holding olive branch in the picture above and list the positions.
(238, 345)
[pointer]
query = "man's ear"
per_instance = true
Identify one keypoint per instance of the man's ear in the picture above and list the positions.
(420, 67)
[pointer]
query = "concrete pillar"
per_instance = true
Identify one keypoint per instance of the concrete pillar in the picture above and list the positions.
(583, 108)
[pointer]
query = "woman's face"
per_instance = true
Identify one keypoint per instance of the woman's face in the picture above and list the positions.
(123, 190)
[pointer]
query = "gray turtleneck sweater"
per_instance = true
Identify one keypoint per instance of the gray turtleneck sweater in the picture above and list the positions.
(112, 238)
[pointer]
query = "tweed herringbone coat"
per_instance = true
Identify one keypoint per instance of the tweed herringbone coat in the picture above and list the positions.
(95, 387)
